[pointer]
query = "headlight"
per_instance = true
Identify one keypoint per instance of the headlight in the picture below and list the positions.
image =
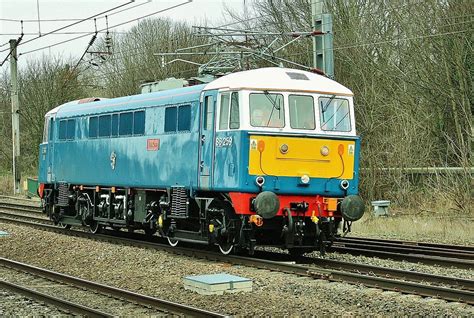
(284, 148)
(305, 179)
(325, 150)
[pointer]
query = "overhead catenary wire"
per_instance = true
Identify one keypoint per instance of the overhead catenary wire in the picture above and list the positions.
(104, 29)
(60, 33)
(105, 75)
(368, 43)
(393, 40)
(16, 45)
(335, 31)
(228, 24)
(346, 46)
(288, 18)
(338, 47)
(72, 20)
(66, 20)
(77, 22)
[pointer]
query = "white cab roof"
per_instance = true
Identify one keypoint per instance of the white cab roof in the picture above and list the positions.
(279, 79)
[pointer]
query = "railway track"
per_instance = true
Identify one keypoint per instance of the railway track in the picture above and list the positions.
(425, 253)
(29, 218)
(448, 288)
(20, 207)
(16, 199)
(409, 243)
(436, 254)
(141, 302)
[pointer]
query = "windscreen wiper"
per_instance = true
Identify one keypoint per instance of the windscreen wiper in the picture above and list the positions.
(273, 108)
(325, 107)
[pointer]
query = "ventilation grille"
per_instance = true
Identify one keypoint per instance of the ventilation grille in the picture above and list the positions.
(63, 195)
(179, 202)
(297, 76)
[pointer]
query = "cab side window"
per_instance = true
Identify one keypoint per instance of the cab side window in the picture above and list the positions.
(51, 129)
(46, 129)
(224, 111)
(209, 110)
(234, 111)
(229, 111)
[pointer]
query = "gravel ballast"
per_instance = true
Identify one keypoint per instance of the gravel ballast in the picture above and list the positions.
(16, 305)
(160, 274)
(77, 295)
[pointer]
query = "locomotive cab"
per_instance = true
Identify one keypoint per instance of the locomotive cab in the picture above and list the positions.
(291, 153)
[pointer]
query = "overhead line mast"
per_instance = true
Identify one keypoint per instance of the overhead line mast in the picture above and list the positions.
(323, 56)
(15, 117)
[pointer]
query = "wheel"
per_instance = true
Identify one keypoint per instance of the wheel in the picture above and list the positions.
(95, 227)
(64, 226)
(226, 248)
(172, 241)
(225, 241)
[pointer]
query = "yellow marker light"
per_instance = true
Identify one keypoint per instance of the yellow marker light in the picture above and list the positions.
(113, 189)
(81, 187)
(97, 189)
(211, 228)
(325, 150)
(256, 219)
(314, 218)
(160, 221)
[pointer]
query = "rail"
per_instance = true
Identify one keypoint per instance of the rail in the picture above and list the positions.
(352, 276)
(157, 303)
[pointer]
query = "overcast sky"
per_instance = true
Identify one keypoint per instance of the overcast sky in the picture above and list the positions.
(195, 12)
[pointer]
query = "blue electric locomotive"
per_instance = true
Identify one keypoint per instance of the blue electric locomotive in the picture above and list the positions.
(260, 157)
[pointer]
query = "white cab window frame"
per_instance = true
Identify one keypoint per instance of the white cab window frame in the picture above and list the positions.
(244, 98)
(218, 110)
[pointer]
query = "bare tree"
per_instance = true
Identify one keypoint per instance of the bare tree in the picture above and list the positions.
(409, 64)
(133, 62)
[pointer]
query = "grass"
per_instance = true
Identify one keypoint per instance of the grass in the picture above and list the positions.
(6, 184)
(455, 229)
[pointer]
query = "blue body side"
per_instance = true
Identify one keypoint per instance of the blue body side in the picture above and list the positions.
(88, 161)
